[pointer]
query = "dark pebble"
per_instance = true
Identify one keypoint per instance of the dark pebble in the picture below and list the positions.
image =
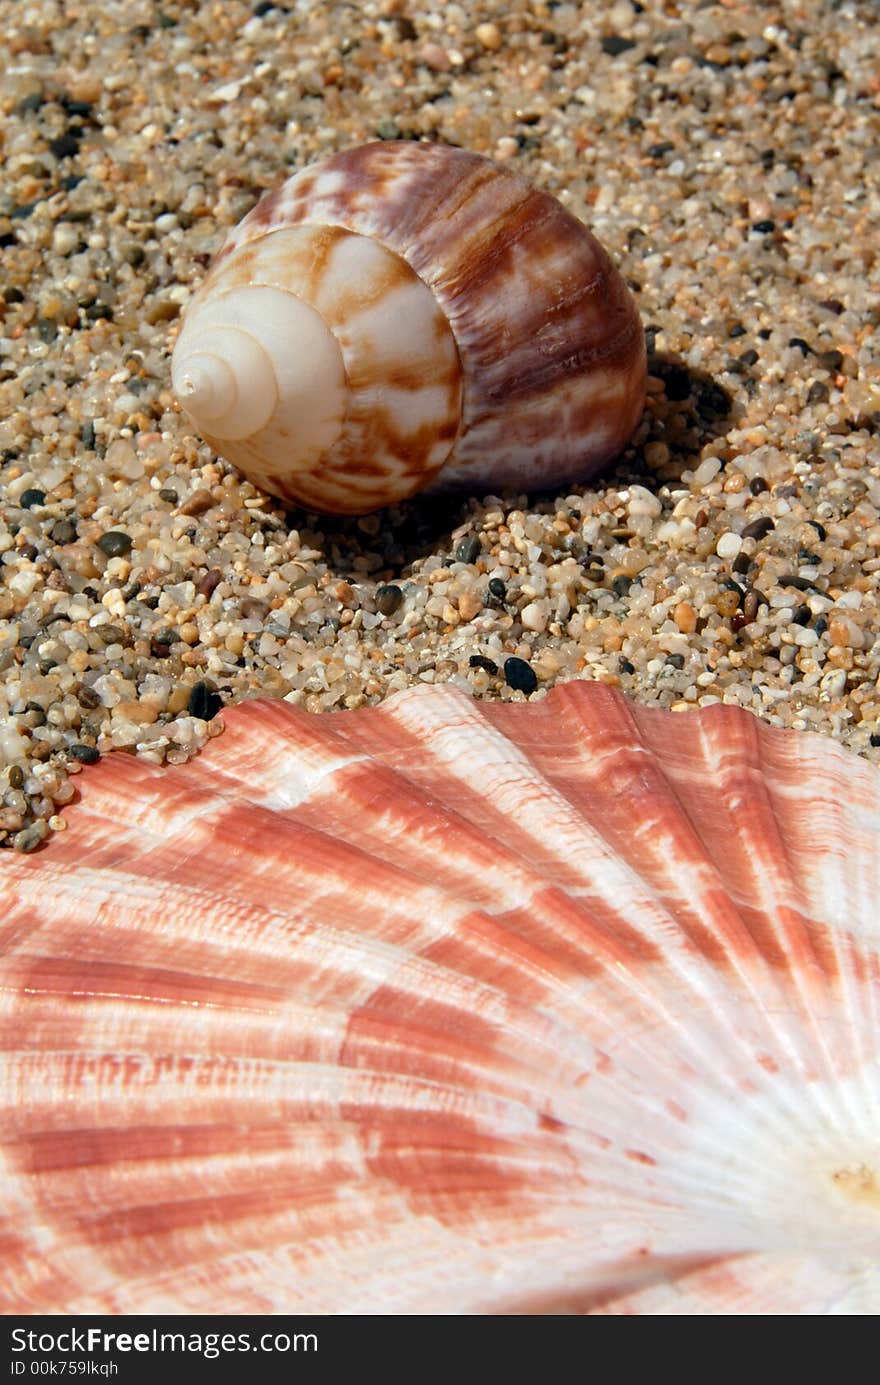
(801, 584)
(518, 675)
(161, 642)
(801, 615)
(87, 436)
(759, 528)
(47, 329)
(621, 584)
(749, 357)
(763, 227)
(32, 102)
(821, 626)
(742, 563)
(615, 44)
(204, 702)
(30, 499)
(15, 776)
(676, 660)
(479, 661)
(80, 108)
(63, 532)
(86, 754)
(207, 584)
(819, 528)
(388, 598)
(803, 346)
(112, 634)
(87, 697)
(468, 550)
(735, 329)
(13, 295)
(656, 151)
(875, 739)
(830, 360)
(833, 305)
(497, 589)
(758, 485)
(29, 551)
(805, 555)
(817, 393)
(624, 666)
(115, 544)
(66, 145)
(168, 495)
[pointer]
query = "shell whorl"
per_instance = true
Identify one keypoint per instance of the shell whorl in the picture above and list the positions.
(485, 337)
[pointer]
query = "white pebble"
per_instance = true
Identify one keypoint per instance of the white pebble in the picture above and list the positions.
(534, 616)
(23, 583)
(706, 472)
(643, 502)
(728, 545)
(64, 239)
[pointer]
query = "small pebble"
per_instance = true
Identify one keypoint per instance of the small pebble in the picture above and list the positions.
(63, 532)
(489, 36)
(198, 503)
(85, 754)
(480, 661)
(468, 549)
(204, 702)
(758, 528)
(469, 605)
(115, 544)
(519, 676)
(388, 598)
(728, 545)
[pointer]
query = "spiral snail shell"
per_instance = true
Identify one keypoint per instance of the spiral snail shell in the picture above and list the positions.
(404, 317)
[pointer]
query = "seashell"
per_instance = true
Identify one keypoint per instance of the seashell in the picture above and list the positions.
(451, 1008)
(404, 317)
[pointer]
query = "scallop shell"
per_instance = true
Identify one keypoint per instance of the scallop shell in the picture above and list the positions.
(406, 317)
(448, 1007)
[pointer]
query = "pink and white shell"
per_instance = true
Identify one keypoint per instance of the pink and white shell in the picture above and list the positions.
(441, 1007)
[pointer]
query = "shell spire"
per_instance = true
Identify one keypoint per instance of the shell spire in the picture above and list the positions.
(449, 1007)
(475, 335)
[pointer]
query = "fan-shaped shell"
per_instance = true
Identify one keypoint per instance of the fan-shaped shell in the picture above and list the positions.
(448, 1007)
(477, 335)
